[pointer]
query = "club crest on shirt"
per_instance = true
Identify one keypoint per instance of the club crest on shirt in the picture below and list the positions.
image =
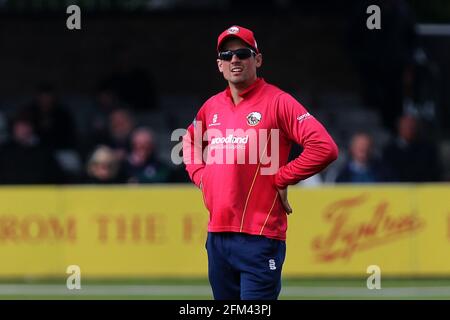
(253, 118)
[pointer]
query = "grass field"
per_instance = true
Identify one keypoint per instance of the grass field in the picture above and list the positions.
(198, 289)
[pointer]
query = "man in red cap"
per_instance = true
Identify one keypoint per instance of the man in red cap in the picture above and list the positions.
(236, 151)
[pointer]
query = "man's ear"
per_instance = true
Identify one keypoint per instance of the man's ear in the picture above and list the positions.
(259, 60)
(219, 65)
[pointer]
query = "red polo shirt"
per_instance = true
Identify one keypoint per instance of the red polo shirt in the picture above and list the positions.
(239, 144)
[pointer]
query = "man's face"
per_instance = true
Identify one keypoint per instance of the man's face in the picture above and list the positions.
(239, 72)
(121, 123)
(142, 142)
(361, 148)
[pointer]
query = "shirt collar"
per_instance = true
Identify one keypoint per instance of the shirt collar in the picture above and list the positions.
(251, 88)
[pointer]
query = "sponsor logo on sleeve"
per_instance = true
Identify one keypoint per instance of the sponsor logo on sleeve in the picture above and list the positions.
(303, 117)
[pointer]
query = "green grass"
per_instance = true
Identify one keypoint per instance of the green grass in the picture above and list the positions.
(198, 289)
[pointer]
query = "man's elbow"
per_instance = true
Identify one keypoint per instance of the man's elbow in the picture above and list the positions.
(332, 152)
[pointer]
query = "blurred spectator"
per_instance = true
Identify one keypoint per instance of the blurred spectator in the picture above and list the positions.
(104, 168)
(106, 101)
(384, 56)
(142, 165)
(24, 160)
(131, 83)
(121, 125)
(362, 167)
(55, 129)
(54, 125)
(412, 158)
(421, 91)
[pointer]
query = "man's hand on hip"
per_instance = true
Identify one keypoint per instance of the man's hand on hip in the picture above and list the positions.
(284, 200)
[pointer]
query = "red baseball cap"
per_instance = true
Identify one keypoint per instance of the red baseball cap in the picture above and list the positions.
(244, 34)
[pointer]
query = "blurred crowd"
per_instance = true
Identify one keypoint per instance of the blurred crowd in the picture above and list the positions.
(408, 157)
(43, 145)
(397, 81)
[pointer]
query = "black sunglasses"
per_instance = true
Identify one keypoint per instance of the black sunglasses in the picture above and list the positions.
(242, 54)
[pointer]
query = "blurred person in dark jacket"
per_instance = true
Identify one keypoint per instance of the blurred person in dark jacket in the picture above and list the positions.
(104, 167)
(412, 158)
(142, 164)
(105, 102)
(121, 125)
(117, 137)
(54, 125)
(383, 57)
(24, 160)
(362, 166)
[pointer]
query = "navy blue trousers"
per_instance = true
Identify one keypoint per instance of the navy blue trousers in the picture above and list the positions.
(243, 266)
